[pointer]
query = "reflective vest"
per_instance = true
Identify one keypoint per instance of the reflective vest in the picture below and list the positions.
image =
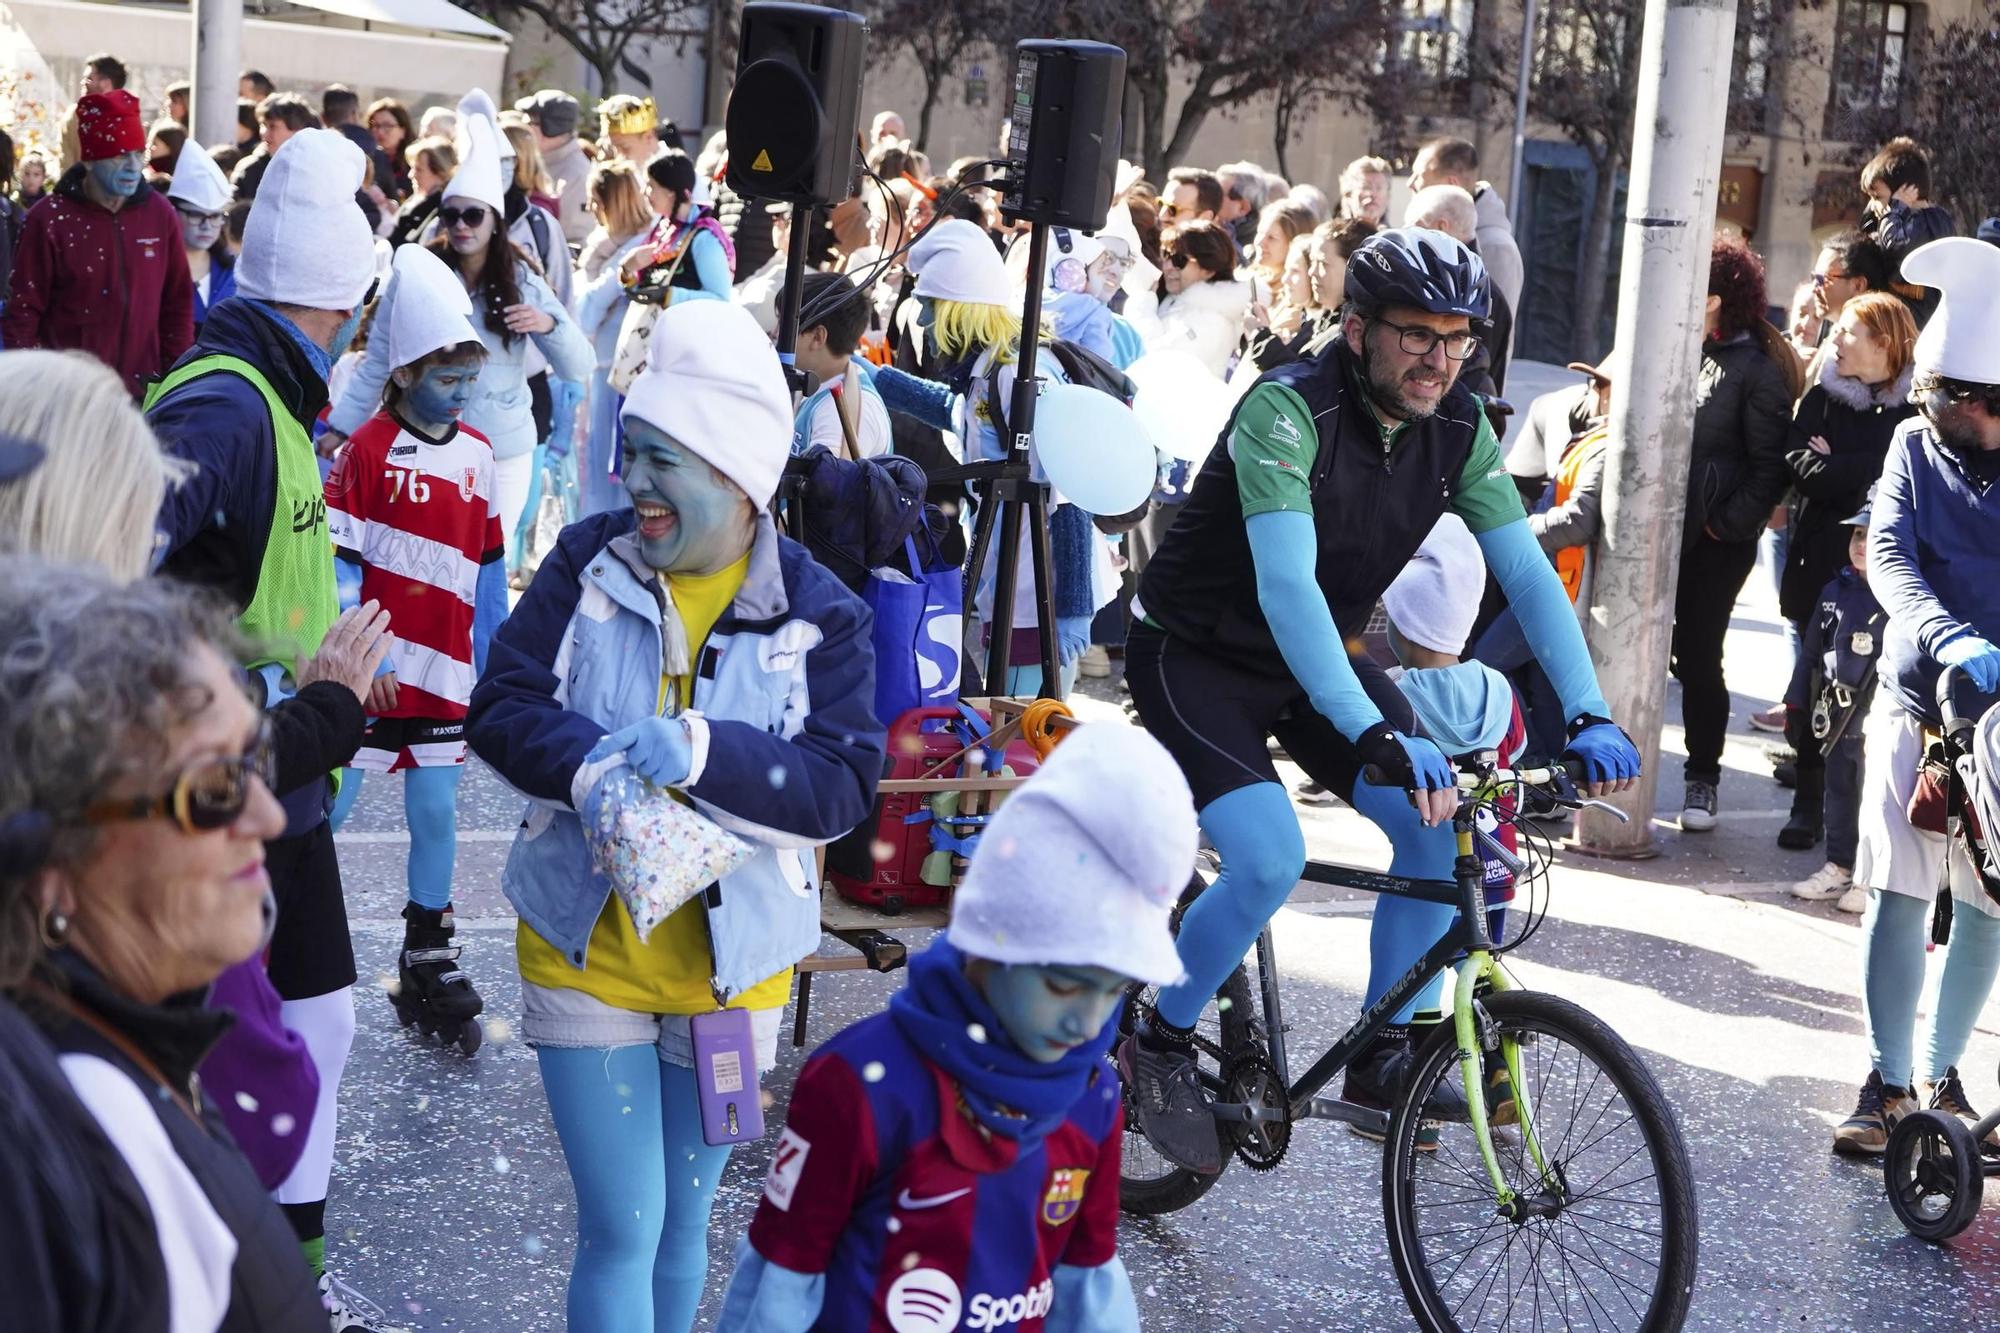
(1571, 561)
(296, 601)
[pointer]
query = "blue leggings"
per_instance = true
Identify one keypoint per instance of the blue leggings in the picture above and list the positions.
(430, 807)
(1893, 933)
(1264, 853)
(631, 1132)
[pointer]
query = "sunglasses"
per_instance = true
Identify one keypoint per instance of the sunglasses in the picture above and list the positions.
(1822, 279)
(206, 796)
(470, 217)
(1962, 391)
(1177, 259)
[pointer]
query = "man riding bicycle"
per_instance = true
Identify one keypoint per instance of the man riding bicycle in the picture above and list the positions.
(1329, 476)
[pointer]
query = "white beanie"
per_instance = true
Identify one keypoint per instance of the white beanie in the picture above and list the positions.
(1434, 601)
(713, 384)
(306, 242)
(1962, 340)
(478, 177)
(1083, 864)
(1120, 230)
(198, 182)
(955, 261)
(429, 309)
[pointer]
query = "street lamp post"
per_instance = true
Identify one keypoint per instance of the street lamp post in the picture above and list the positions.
(218, 60)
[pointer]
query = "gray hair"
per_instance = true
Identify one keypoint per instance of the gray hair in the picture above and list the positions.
(1247, 181)
(1446, 208)
(94, 681)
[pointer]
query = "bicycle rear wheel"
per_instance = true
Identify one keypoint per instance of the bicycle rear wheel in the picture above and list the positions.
(1609, 1240)
(1148, 1184)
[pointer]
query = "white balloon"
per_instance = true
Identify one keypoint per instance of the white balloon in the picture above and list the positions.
(1181, 403)
(1093, 449)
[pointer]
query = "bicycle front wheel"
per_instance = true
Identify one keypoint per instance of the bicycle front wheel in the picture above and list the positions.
(1604, 1234)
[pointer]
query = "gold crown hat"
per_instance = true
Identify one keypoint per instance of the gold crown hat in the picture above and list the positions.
(626, 114)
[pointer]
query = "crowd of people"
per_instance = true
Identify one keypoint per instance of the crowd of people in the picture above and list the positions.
(300, 403)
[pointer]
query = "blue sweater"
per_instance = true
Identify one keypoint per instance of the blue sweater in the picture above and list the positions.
(1933, 560)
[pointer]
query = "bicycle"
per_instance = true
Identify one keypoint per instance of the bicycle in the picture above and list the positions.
(1513, 1185)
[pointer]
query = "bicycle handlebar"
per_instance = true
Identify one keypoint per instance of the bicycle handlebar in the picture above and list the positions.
(1475, 778)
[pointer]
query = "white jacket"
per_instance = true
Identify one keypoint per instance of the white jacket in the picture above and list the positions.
(1206, 319)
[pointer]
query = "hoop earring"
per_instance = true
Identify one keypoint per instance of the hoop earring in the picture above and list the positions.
(55, 928)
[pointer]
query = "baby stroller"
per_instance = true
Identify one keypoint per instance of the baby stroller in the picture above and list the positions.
(1933, 1168)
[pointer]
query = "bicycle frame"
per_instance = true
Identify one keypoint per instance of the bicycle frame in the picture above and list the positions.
(1468, 937)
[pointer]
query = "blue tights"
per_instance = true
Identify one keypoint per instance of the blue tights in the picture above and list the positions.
(430, 807)
(1893, 932)
(631, 1132)
(1264, 853)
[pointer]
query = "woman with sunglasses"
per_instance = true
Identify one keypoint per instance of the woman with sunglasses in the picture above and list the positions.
(200, 195)
(515, 310)
(135, 802)
(1199, 305)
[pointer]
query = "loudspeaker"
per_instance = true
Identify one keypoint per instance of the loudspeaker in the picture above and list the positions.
(792, 114)
(1063, 135)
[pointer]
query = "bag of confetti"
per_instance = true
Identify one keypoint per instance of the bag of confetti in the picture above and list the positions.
(657, 852)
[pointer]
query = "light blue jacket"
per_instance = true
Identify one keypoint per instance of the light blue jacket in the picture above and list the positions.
(787, 750)
(501, 409)
(601, 303)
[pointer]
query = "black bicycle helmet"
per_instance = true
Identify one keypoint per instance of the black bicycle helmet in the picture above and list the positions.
(1416, 266)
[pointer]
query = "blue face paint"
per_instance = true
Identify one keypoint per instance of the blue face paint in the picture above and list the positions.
(343, 337)
(439, 396)
(1049, 1009)
(118, 177)
(692, 519)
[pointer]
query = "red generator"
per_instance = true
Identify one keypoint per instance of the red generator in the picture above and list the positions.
(880, 864)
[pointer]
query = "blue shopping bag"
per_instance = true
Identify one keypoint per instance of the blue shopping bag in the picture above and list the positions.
(919, 632)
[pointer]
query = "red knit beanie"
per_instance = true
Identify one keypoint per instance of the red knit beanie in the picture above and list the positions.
(108, 124)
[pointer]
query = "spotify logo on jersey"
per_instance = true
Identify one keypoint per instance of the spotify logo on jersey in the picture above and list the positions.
(923, 1300)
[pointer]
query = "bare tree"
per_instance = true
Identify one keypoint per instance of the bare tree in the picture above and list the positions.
(603, 31)
(1948, 106)
(938, 35)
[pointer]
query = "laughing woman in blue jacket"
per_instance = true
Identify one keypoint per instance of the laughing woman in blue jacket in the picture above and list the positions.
(685, 638)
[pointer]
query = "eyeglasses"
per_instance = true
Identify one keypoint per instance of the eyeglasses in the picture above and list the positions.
(471, 217)
(1822, 279)
(197, 215)
(206, 796)
(1418, 340)
(1962, 391)
(1177, 259)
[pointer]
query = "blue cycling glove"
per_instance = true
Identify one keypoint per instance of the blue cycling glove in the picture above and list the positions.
(1406, 761)
(1602, 747)
(658, 749)
(1976, 657)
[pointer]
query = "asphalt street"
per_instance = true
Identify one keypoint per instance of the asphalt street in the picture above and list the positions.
(452, 1208)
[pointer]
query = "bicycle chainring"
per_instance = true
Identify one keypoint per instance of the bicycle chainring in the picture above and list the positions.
(1253, 1080)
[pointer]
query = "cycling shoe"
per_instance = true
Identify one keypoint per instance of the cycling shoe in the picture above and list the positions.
(1165, 1088)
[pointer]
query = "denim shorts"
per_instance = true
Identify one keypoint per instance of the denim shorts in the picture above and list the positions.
(570, 1018)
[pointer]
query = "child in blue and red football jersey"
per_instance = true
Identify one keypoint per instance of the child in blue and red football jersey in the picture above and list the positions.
(953, 1163)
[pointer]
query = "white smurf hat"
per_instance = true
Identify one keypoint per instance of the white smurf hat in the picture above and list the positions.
(1962, 340)
(1083, 864)
(198, 182)
(955, 261)
(713, 383)
(479, 177)
(429, 310)
(306, 242)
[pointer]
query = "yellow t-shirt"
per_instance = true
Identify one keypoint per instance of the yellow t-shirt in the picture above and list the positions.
(669, 973)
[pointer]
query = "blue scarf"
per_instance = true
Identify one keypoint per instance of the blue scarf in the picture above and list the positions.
(1012, 1095)
(321, 360)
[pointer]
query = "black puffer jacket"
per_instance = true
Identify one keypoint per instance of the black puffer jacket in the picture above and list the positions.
(269, 1288)
(1743, 411)
(748, 225)
(1856, 424)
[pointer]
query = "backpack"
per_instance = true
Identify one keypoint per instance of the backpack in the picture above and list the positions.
(1082, 366)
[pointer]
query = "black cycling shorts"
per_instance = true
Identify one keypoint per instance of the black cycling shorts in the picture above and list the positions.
(1215, 717)
(311, 953)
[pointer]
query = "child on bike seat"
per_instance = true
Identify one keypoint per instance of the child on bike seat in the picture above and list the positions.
(1832, 683)
(957, 1157)
(1464, 707)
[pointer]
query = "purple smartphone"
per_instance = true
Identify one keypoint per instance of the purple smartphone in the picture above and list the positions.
(725, 1076)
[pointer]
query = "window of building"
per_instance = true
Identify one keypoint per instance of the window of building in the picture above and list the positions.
(1872, 47)
(1433, 39)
